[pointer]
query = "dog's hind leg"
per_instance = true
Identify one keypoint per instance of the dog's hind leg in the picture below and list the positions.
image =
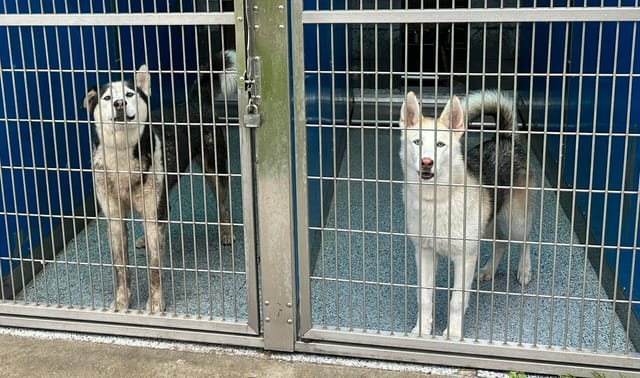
(427, 263)
(488, 270)
(216, 172)
(464, 266)
(520, 228)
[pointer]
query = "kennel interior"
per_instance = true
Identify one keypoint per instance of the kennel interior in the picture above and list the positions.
(574, 87)
(55, 240)
(356, 286)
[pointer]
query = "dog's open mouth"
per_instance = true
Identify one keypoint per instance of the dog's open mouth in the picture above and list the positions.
(425, 175)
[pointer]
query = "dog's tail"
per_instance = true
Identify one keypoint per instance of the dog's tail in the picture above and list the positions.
(219, 75)
(225, 77)
(493, 102)
(226, 82)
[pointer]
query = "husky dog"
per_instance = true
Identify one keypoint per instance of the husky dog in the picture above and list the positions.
(455, 197)
(136, 162)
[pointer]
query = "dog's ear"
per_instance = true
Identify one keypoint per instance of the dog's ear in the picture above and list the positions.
(453, 116)
(410, 112)
(90, 99)
(143, 80)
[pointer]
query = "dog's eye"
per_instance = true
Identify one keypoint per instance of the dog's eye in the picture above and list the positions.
(130, 94)
(417, 142)
(106, 98)
(440, 144)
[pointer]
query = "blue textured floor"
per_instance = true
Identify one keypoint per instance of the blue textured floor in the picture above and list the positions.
(364, 277)
(199, 277)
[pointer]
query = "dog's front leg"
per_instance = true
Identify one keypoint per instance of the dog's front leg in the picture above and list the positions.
(117, 230)
(427, 263)
(464, 265)
(154, 233)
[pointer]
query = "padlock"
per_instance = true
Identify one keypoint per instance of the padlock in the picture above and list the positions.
(251, 116)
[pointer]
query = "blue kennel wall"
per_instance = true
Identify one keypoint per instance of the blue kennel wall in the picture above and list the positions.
(598, 116)
(326, 105)
(600, 161)
(44, 136)
(44, 131)
(161, 48)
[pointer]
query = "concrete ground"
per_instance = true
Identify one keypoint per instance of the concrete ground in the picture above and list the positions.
(40, 356)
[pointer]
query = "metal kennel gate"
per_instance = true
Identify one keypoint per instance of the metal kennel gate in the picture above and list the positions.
(56, 268)
(325, 265)
(573, 72)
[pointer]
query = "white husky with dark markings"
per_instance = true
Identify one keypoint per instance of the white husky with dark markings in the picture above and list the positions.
(137, 161)
(453, 198)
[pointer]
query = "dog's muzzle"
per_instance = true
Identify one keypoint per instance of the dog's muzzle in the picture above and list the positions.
(120, 107)
(426, 167)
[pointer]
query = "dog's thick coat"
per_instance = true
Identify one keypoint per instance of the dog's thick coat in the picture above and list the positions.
(136, 163)
(454, 197)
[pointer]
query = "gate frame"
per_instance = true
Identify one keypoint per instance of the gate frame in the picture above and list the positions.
(437, 350)
(134, 323)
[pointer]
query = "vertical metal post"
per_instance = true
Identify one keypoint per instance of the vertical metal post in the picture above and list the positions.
(269, 38)
(245, 136)
(302, 205)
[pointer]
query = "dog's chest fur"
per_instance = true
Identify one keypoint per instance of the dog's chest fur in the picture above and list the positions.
(128, 163)
(446, 213)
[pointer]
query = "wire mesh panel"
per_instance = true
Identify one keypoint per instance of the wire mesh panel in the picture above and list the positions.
(555, 188)
(102, 108)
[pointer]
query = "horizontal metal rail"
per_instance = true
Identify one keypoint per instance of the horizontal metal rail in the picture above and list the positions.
(443, 16)
(91, 327)
(112, 19)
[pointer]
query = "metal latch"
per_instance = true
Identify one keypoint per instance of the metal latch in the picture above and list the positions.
(251, 114)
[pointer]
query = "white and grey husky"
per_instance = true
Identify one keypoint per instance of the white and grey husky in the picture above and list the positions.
(453, 197)
(137, 160)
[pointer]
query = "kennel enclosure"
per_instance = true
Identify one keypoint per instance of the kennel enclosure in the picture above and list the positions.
(321, 261)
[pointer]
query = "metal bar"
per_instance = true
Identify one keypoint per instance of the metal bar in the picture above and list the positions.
(201, 336)
(435, 357)
(629, 313)
(572, 216)
(247, 182)
(590, 207)
(273, 174)
(115, 19)
(481, 350)
(181, 321)
(301, 153)
(446, 16)
(606, 215)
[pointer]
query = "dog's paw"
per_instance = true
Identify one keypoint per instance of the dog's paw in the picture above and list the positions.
(452, 333)
(421, 331)
(486, 274)
(121, 303)
(226, 235)
(141, 242)
(117, 307)
(155, 305)
(524, 276)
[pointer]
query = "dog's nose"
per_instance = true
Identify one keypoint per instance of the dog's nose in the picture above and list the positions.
(119, 104)
(427, 163)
